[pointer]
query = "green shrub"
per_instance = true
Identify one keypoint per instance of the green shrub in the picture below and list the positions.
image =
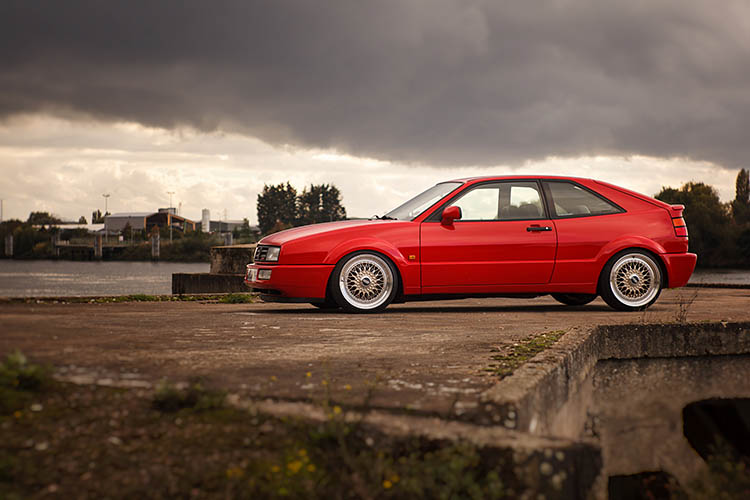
(19, 379)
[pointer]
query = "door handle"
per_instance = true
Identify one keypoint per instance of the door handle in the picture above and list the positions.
(538, 228)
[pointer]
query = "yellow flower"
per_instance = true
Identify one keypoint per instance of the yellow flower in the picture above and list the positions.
(302, 452)
(275, 468)
(234, 472)
(395, 478)
(387, 484)
(348, 387)
(337, 410)
(273, 378)
(311, 468)
(308, 374)
(324, 382)
(294, 466)
(17, 414)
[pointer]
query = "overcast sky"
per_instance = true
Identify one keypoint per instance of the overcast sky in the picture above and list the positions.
(382, 98)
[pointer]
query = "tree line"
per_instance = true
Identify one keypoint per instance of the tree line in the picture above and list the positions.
(718, 232)
(281, 207)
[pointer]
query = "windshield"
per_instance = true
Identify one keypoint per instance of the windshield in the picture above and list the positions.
(414, 207)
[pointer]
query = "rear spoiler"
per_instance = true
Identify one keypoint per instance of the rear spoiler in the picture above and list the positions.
(676, 210)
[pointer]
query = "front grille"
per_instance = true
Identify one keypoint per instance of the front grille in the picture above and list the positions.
(261, 251)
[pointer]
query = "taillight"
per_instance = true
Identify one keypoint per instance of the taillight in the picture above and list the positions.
(680, 228)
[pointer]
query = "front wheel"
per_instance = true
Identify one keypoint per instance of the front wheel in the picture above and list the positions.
(631, 281)
(364, 282)
(574, 299)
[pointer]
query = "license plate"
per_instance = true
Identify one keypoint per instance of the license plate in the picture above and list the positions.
(252, 275)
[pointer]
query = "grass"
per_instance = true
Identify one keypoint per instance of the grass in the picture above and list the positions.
(506, 364)
(170, 398)
(237, 298)
(231, 298)
(95, 442)
(726, 478)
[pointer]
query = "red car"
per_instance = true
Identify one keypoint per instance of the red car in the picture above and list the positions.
(510, 236)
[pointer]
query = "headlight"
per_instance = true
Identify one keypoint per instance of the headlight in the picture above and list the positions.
(266, 253)
(273, 253)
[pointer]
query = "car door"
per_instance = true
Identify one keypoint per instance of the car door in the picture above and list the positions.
(504, 237)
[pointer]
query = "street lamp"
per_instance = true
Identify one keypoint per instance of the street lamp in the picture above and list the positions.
(106, 200)
(169, 214)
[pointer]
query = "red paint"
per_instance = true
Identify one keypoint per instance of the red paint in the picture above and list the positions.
(447, 255)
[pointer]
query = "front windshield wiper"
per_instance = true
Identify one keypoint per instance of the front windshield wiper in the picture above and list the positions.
(383, 217)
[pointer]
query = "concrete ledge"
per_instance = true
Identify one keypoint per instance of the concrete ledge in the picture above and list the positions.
(529, 399)
(231, 259)
(188, 283)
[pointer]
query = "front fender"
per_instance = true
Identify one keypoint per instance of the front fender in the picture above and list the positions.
(407, 265)
(346, 247)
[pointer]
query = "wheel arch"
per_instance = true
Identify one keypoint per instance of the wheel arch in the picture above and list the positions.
(650, 251)
(366, 249)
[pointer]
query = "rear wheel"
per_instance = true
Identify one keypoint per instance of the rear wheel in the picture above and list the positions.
(364, 282)
(631, 281)
(574, 299)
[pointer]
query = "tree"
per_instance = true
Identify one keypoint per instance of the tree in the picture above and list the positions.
(42, 218)
(96, 217)
(741, 203)
(708, 220)
(277, 205)
(321, 203)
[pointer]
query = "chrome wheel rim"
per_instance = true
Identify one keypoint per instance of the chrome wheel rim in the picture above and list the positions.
(366, 281)
(635, 279)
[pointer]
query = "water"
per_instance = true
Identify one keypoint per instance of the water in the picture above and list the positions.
(58, 278)
(723, 276)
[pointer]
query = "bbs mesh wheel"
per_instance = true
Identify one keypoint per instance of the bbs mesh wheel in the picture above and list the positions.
(631, 280)
(364, 282)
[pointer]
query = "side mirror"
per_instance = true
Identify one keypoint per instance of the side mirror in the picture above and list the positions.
(450, 214)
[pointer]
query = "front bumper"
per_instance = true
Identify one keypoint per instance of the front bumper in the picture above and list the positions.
(287, 283)
(680, 267)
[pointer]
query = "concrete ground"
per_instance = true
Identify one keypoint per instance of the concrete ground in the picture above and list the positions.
(428, 357)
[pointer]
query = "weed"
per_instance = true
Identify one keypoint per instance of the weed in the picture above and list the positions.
(170, 398)
(522, 352)
(684, 303)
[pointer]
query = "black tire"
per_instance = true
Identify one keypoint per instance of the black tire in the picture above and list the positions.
(574, 299)
(364, 282)
(631, 280)
(327, 305)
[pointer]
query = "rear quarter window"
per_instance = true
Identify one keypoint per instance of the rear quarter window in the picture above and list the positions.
(571, 200)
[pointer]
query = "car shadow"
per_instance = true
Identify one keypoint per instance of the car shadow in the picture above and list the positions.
(451, 309)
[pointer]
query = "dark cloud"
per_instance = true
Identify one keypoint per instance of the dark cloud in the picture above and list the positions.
(428, 81)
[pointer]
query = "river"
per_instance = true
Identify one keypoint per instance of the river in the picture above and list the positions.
(64, 278)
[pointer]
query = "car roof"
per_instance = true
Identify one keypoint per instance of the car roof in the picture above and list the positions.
(511, 177)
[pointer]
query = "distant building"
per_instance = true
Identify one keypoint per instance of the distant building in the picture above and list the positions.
(206, 220)
(115, 223)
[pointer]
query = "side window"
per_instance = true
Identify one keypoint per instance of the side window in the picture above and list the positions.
(524, 203)
(571, 200)
(501, 201)
(480, 203)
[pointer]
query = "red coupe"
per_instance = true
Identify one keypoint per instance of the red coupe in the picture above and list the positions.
(509, 236)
